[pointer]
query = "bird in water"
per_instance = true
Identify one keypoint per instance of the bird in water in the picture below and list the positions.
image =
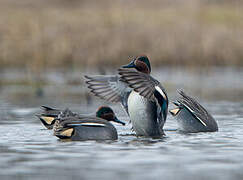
(49, 116)
(191, 116)
(143, 97)
(67, 124)
(82, 127)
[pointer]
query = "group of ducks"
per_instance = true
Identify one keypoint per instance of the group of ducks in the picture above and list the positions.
(144, 99)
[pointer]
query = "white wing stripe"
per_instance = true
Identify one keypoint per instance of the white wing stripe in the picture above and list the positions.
(161, 92)
(89, 124)
(195, 115)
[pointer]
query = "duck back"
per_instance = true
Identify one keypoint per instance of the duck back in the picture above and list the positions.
(188, 123)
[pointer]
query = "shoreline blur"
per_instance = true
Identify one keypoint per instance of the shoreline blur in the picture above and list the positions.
(40, 34)
(210, 84)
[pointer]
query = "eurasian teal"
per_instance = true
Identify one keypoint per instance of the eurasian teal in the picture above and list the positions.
(87, 127)
(49, 116)
(191, 116)
(143, 97)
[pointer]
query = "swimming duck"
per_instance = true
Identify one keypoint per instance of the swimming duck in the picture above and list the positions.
(87, 127)
(49, 116)
(142, 96)
(191, 116)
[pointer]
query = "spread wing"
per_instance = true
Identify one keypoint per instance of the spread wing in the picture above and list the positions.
(142, 83)
(109, 88)
(147, 87)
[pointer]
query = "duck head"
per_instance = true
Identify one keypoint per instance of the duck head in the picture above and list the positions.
(140, 63)
(108, 114)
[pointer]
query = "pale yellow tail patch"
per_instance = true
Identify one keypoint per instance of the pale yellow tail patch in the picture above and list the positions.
(47, 119)
(67, 133)
(174, 111)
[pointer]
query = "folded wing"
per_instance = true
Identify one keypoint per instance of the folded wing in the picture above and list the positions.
(194, 107)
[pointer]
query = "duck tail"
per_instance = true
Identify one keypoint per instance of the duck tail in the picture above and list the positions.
(47, 121)
(61, 131)
(48, 116)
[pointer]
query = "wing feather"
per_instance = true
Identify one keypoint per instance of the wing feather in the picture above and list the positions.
(109, 88)
(149, 88)
(194, 107)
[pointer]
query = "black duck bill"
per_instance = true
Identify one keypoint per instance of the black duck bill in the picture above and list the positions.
(118, 121)
(130, 65)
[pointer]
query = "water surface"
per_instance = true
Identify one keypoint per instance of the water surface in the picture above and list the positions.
(29, 151)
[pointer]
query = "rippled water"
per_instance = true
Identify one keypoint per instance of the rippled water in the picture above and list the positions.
(29, 151)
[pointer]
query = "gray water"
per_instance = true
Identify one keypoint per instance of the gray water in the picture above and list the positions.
(29, 151)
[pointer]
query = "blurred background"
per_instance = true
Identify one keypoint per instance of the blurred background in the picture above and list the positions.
(46, 46)
(192, 44)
